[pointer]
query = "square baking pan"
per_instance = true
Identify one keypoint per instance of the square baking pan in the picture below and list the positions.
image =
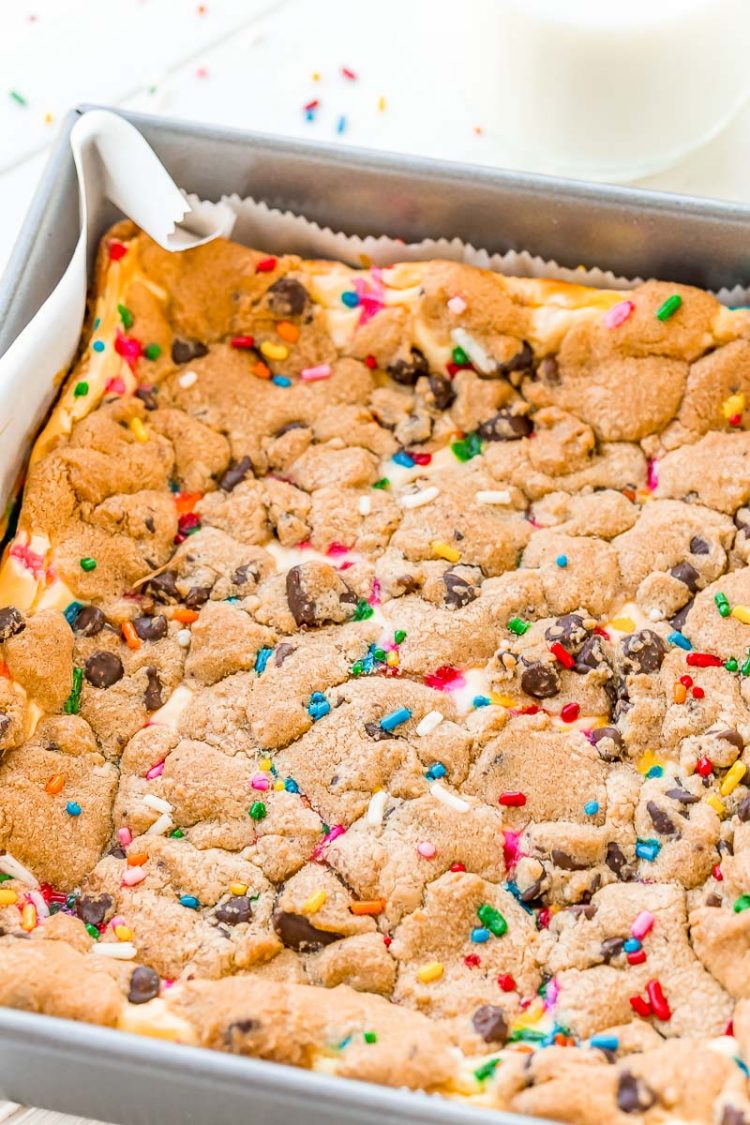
(122, 1078)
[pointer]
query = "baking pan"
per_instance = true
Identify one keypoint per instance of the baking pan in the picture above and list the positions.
(116, 1077)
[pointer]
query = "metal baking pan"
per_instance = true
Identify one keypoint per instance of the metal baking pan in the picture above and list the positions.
(122, 1078)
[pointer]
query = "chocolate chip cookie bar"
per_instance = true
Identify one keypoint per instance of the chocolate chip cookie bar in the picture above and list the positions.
(375, 681)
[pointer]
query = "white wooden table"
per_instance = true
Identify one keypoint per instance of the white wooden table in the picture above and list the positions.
(252, 63)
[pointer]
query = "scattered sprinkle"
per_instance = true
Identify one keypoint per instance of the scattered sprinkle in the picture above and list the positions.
(419, 499)
(73, 808)
(318, 706)
(17, 97)
(492, 496)
(429, 723)
(562, 561)
(316, 900)
(618, 314)
(591, 808)
(376, 807)
(257, 811)
(513, 799)
(433, 970)
(492, 919)
(452, 800)
(88, 564)
(395, 719)
(189, 379)
(313, 374)
(647, 849)
(119, 950)
(190, 901)
(517, 626)
(669, 308)
(732, 778)
(446, 551)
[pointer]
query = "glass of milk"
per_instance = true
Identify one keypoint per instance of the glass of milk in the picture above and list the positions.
(615, 89)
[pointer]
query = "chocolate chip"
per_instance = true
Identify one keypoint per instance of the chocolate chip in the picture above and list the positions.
(144, 985)
(281, 652)
(235, 910)
(197, 596)
(549, 371)
(442, 391)
(566, 862)
(523, 360)
(89, 621)
(742, 519)
(183, 351)
(732, 1116)
(459, 591)
(296, 932)
(615, 858)
(11, 622)
(679, 619)
(237, 1032)
(569, 631)
(660, 820)
(92, 911)
(540, 680)
(533, 892)
(633, 1095)
(301, 607)
(505, 426)
(152, 696)
(147, 397)
(5, 722)
(686, 573)
(682, 795)
(287, 297)
(150, 628)
(235, 475)
(612, 947)
(104, 669)
(376, 732)
(163, 587)
(490, 1024)
(407, 371)
(643, 651)
(734, 737)
(586, 910)
(743, 812)
(288, 427)
(604, 735)
(243, 574)
(591, 655)
(699, 546)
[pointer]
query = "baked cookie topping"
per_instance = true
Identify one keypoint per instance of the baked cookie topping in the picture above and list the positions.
(376, 681)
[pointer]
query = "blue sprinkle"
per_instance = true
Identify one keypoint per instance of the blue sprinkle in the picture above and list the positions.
(742, 1066)
(281, 380)
(591, 808)
(232, 600)
(73, 808)
(174, 486)
(647, 849)
(345, 1042)
(71, 612)
(403, 458)
(656, 771)
(605, 1042)
(318, 706)
(98, 345)
(632, 945)
(562, 561)
(341, 124)
(190, 901)
(262, 659)
(395, 719)
(350, 299)
(436, 770)
(481, 701)
(480, 935)
(679, 640)
(291, 785)
(310, 115)
(514, 889)
(97, 322)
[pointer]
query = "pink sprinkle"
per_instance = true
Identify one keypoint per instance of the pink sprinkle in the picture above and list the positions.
(348, 73)
(128, 347)
(345, 565)
(426, 850)
(445, 678)
(457, 305)
(313, 374)
(551, 992)
(336, 549)
(370, 296)
(201, 72)
(643, 923)
(618, 314)
(260, 781)
(118, 920)
(30, 559)
(155, 771)
(653, 476)
(374, 598)
(511, 848)
(133, 875)
(125, 836)
(320, 850)
(115, 386)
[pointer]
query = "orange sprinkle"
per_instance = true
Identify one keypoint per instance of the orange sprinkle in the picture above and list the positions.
(55, 784)
(679, 692)
(368, 906)
(185, 616)
(137, 859)
(288, 331)
(186, 501)
(28, 917)
(261, 370)
(131, 637)
(5, 671)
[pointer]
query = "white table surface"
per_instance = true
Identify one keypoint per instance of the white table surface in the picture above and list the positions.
(251, 63)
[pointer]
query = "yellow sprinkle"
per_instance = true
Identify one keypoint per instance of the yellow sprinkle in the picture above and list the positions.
(623, 624)
(381, 103)
(732, 778)
(648, 761)
(716, 804)
(278, 785)
(532, 1015)
(138, 430)
(264, 764)
(316, 76)
(735, 404)
(742, 613)
(503, 700)
(392, 660)
(28, 917)
(433, 970)
(313, 904)
(123, 933)
(8, 897)
(48, 118)
(679, 692)
(273, 351)
(445, 551)
(238, 888)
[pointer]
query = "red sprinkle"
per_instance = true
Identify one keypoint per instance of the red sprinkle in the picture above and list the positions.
(454, 368)
(698, 693)
(704, 767)
(703, 660)
(562, 655)
(128, 347)
(117, 250)
(729, 1029)
(311, 105)
(371, 362)
(544, 918)
(266, 265)
(472, 960)
(458, 867)
(640, 1006)
(506, 982)
(686, 681)
(638, 957)
(658, 1000)
(387, 940)
(444, 677)
(512, 800)
(570, 712)
(532, 709)
(717, 873)
(242, 342)
(420, 458)
(347, 73)
(735, 420)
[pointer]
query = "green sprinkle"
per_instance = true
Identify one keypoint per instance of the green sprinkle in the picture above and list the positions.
(73, 702)
(741, 903)
(258, 810)
(370, 1036)
(492, 919)
(382, 483)
(88, 564)
(399, 636)
(526, 1035)
(177, 834)
(3, 877)
(379, 655)
(518, 626)
(19, 99)
(92, 931)
(357, 668)
(152, 351)
(468, 447)
(460, 356)
(486, 1070)
(363, 610)
(670, 307)
(80, 389)
(731, 665)
(325, 828)
(127, 318)
(722, 604)
(745, 669)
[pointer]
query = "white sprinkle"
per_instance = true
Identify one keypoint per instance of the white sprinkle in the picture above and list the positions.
(450, 799)
(160, 826)
(655, 615)
(120, 950)
(492, 496)
(474, 350)
(188, 379)
(41, 906)
(102, 771)
(365, 505)
(457, 305)
(16, 870)
(419, 499)
(376, 807)
(158, 804)
(183, 638)
(429, 722)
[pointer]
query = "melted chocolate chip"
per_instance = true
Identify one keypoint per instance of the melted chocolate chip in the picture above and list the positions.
(505, 426)
(407, 371)
(152, 696)
(163, 587)
(301, 607)
(287, 297)
(633, 1095)
(104, 669)
(734, 737)
(615, 858)
(490, 1024)
(591, 655)
(197, 596)
(243, 574)
(281, 652)
(660, 820)
(566, 862)
(144, 985)
(147, 397)
(458, 590)
(549, 371)
(612, 947)
(93, 910)
(533, 892)
(11, 622)
(235, 910)
(150, 628)
(643, 651)
(442, 391)
(682, 795)
(523, 360)
(296, 932)
(376, 732)
(89, 621)
(183, 351)
(699, 546)
(569, 631)
(685, 572)
(743, 812)
(540, 680)
(235, 475)
(604, 735)
(679, 619)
